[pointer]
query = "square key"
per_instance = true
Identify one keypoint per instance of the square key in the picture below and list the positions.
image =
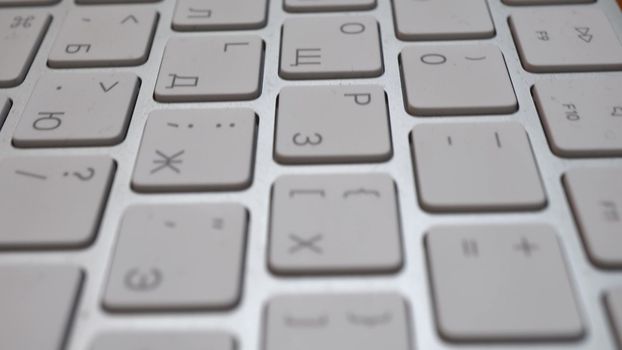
(65, 194)
(78, 109)
(332, 224)
(501, 283)
(475, 167)
(211, 68)
(582, 117)
(331, 48)
(566, 40)
(332, 124)
(194, 258)
(196, 150)
(327, 5)
(195, 15)
(105, 36)
(456, 80)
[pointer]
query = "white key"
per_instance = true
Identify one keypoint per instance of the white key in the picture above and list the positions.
(78, 109)
(196, 150)
(582, 117)
(194, 260)
(442, 19)
(211, 68)
(26, 2)
(327, 124)
(37, 304)
(596, 198)
(104, 36)
(544, 2)
(330, 48)
(327, 5)
(113, 1)
(565, 40)
(476, 166)
(456, 79)
(66, 195)
(501, 283)
(334, 224)
(333, 322)
(220, 14)
(613, 299)
(5, 106)
(164, 341)
(22, 33)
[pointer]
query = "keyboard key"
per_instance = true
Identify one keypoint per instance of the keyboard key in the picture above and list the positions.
(220, 14)
(582, 117)
(214, 68)
(331, 48)
(327, 5)
(596, 198)
(78, 109)
(334, 224)
(196, 150)
(22, 33)
(544, 2)
(331, 322)
(476, 167)
(442, 19)
(329, 124)
(64, 195)
(566, 40)
(164, 341)
(113, 1)
(37, 304)
(26, 2)
(511, 279)
(194, 260)
(103, 37)
(440, 80)
(613, 299)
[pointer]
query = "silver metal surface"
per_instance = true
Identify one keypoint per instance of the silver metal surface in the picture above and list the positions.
(259, 285)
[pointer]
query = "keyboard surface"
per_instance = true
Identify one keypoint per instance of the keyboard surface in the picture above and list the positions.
(310, 174)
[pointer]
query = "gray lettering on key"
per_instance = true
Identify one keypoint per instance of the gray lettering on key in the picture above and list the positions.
(303, 243)
(22, 21)
(476, 58)
(143, 280)
(610, 211)
(584, 34)
(218, 223)
(370, 321)
(498, 140)
(433, 59)
(182, 81)
(617, 111)
(167, 162)
(130, 18)
(526, 247)
(306, 322)
(236, 44)
(308, 56)
(543, 35)
(361, 99)
(361, 192)
(301, 140)
(30, 174)
(48, 121)
(76, 48)
(293, 193)
(199, 13)
(86, 175)
(470, 248)
(352, 28)
(572, 113)
(107, 88)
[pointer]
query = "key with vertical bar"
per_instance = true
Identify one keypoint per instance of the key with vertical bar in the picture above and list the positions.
(78, 109)
(596, 198)
(566, 40)
(327, 5)
(22, 33)
(476, 167)
(439, 80)
(328, 124)
(104, 36)
(211, 68)
(194, 260)
(52, 202)
(220, 14)
(163, 341)
(37, 304)
(196, 150)
(330, 48)
(334, 224)
(442, 19)
(333, 322)
(501, 283)
(582, 117)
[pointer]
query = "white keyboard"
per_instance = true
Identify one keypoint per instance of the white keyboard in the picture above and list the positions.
(310, 174)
